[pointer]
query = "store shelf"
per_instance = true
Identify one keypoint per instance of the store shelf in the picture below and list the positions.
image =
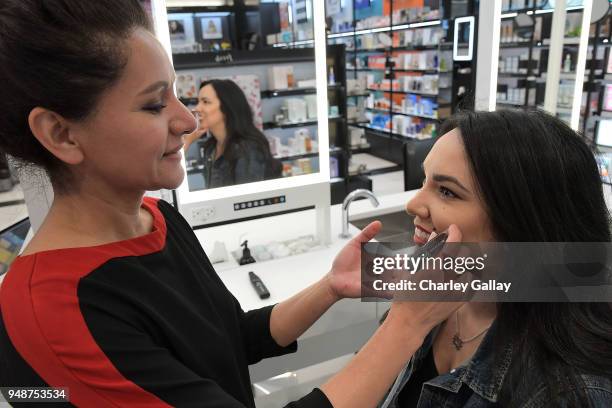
(392, 112)
(413, 25)
(414, 115)
(391, 69)
(271, 125)
(358, 94)
(387, 133)
(404, 92)
(295, 91)
(416, 47)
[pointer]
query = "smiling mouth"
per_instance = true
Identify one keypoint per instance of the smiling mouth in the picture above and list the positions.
(421, 233)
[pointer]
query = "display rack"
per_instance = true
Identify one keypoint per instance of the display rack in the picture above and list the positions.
(521, 84)
(396, 109)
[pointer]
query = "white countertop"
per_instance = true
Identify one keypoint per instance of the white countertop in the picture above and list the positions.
(285, 277)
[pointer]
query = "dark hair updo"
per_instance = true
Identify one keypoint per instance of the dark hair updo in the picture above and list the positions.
(60, 55)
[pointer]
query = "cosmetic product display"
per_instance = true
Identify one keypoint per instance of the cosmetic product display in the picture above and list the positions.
(420, 37)
(426, 84)
(413, 127)
(302, 142)
(418, 105)
(280, 77)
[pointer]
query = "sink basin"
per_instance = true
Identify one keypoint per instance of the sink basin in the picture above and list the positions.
(397, 226)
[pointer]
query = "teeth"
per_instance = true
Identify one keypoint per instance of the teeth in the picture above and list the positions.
(421, 234)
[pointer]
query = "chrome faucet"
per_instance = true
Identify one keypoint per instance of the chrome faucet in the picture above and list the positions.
(359, 193)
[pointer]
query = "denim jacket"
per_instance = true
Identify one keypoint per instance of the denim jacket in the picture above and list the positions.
(248, 168)
(478, 382)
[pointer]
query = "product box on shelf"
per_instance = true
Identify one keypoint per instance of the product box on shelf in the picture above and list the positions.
(280, 77)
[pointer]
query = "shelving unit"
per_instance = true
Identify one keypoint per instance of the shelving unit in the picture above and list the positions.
(411, 53)
(530, 72)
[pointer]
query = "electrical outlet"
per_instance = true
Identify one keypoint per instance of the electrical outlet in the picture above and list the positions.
(202, 214)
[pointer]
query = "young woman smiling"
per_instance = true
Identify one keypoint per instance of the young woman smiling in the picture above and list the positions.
(512, 176)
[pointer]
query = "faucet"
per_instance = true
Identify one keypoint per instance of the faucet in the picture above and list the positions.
(359, 193)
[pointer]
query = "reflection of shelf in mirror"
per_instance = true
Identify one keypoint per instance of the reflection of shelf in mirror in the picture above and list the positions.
(403, 92)
(271, 125)
(359, 94)
(297, 156)
(294, 91)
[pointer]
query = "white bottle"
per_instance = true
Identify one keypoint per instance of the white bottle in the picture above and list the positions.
(567, 64)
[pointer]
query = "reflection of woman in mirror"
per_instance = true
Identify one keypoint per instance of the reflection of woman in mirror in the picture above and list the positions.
(236, 151)
(176, 27)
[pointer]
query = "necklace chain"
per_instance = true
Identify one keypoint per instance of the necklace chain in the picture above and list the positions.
(457, 341)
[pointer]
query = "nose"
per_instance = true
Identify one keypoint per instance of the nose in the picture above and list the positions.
(183, 121)
(417, 205)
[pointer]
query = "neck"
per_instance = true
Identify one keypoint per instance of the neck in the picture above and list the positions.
(98, 215)
(475, 316)
(219, 134)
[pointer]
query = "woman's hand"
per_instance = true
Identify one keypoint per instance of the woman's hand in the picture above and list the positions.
(344, 279)
(192, 137)
(421, 317)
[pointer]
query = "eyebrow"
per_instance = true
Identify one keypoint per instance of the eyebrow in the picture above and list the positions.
(441, 178)
(154, 87)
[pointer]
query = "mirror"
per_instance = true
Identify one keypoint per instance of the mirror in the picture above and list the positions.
(248, 75)
(463, 39)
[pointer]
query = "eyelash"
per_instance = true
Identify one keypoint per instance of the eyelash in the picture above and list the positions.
(155, 109)
(445, 192)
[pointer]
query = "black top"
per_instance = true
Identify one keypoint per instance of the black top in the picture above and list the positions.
(142, 322)
(409, 395)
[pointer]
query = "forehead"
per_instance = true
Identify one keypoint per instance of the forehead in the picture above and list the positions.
(147, 62)
(208, 91)
(447, 156)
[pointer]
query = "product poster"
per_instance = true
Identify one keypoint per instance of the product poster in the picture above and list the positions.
(186, 85)
(212, 28)
(177, 29)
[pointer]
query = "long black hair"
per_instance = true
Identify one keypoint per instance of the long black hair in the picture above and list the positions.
(539, 182)
(241, 133)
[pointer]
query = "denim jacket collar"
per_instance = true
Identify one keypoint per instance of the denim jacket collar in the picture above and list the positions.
(484, 373)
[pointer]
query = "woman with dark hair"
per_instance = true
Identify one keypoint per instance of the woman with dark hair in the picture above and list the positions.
(512, 176)
(236, 151)
(114, 298)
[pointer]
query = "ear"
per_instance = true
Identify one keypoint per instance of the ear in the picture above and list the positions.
(53, 132)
